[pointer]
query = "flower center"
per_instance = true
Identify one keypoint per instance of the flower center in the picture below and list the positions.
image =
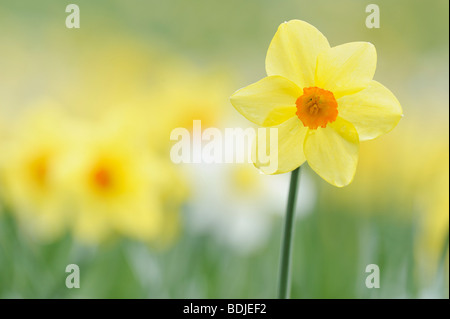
(39, 170)
(102, 178)
(316, 107)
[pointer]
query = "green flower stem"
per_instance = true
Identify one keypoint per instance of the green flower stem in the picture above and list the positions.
(286, 245)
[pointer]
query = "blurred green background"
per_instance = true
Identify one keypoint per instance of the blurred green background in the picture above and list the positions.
(86, 177)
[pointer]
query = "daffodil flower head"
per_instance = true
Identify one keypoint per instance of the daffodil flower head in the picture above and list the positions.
(323, 101)
(29, 170)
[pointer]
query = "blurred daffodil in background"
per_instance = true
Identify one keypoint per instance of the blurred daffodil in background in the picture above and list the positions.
(86, 175)
(322, 100)
(118, 185)
(29, 170)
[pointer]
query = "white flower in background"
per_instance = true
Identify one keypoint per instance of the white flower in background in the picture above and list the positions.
(236, 204)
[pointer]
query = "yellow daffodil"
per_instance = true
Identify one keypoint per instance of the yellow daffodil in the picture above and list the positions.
(322, 99)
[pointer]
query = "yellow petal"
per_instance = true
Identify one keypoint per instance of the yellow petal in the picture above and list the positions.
(332, 152)
(90, 226)
(373, 111)
(293, 52)
(268, 102)
(347, 68)
(143, 223)
(286, 153)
